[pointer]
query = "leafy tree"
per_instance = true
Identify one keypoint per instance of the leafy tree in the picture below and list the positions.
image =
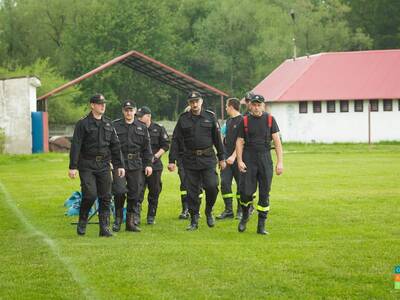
(61, 107)
(379, 18)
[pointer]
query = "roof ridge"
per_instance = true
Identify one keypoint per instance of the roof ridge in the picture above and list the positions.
(317, 57)
(348, 52)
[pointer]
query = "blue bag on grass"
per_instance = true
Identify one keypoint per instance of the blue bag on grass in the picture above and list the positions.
(73, 204)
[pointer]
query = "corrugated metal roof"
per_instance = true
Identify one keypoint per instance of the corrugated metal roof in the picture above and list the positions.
(150, 67)
(335, 76)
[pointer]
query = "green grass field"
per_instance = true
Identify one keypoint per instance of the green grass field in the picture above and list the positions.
(334, 224)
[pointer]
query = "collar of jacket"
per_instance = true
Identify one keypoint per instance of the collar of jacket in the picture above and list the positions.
(90, 116)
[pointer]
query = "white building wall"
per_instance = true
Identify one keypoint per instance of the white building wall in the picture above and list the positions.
(339, 126)
(17, 100)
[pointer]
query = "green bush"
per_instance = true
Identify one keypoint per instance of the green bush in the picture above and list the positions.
(62, 107)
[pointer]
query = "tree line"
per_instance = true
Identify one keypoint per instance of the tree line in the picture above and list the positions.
(230, 44)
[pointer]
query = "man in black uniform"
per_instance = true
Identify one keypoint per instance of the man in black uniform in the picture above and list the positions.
(94, 145)
(196, 132)
(136, 150)
(247, 99)
(159, 145)
(231, 171)
(254, 160)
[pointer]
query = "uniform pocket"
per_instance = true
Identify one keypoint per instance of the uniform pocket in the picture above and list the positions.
(206, 124)
(107, 133)
(139, 131)
(187, 129)
(155, 137)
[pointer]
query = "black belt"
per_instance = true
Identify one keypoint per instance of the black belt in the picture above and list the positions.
(200, 152)
(133, 155)
(96, 157)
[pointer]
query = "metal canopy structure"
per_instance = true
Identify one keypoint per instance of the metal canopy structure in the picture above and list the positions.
(154, 69)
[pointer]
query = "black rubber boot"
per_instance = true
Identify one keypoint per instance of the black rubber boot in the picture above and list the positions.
(130, 223)
(194, 222)
(261, 226)
(209, 216)
(228, 212)
(239, 212)
(151, 214)
(137, 214)
(104, 225)
(83, 220)
(244, 219)
(119, 217)
(210, 220)
(185, 211)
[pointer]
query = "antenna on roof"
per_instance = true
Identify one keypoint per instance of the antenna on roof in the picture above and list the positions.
(293, 15)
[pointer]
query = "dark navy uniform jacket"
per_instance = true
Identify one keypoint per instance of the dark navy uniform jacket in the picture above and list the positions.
(94, 144)
(232, 127)
(135, 143)
(193, 133)
(159, 140)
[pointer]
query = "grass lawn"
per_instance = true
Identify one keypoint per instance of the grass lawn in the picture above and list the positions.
(334, 224)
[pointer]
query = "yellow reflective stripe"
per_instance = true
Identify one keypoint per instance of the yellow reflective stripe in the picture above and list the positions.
(238, 197)
(201, 195)
(261, 208)
(183, 193)
(246, 204)
(254, 196)
(228, 195)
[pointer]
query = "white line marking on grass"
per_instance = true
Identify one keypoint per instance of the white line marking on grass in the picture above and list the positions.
(77, 276)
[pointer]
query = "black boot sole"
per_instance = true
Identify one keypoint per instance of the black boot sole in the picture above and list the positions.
(192, 228)
(116, 228)
(133, 230)
(108, 234)
(225, 217)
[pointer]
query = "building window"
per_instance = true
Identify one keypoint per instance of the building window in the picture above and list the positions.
(358, 105)
(303, 107)
(387, 105)
(330, 106)
(399, 103)
(344, 106)
(317, 106)
(374, 105)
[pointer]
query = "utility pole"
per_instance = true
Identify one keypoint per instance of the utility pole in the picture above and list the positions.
(293, 15)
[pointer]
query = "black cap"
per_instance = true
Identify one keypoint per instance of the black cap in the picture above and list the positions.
(248, 96)
(98, 99)
(194, 95)
(129, 104)
(257, 98)
(144, 110)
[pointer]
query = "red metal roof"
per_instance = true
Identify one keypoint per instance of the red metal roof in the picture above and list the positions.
(335, 76)
(152, 68)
